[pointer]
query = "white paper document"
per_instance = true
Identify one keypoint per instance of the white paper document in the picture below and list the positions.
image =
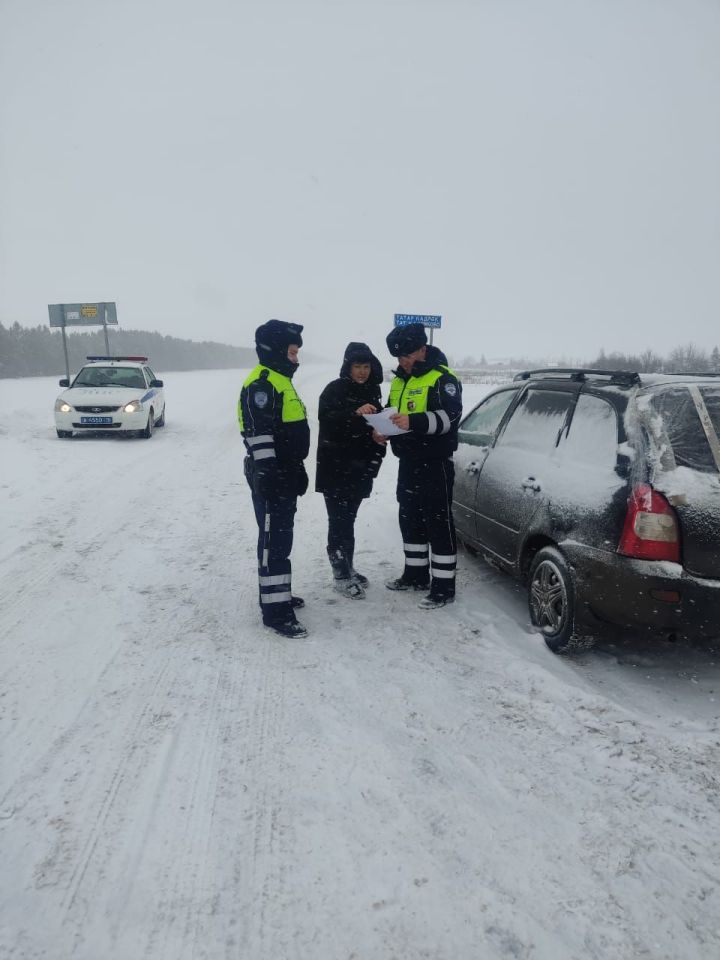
(382, 422)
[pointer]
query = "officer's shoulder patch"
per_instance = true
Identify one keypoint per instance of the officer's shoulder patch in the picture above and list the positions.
(451, 389)
(260, 398)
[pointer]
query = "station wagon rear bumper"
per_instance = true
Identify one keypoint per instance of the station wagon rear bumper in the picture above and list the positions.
(639, 593)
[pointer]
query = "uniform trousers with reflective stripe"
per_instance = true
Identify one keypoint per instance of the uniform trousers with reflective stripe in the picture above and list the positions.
(273, 552)
(424, 492)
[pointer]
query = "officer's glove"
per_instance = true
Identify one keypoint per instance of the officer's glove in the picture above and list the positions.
(302, 480)
(265, 480)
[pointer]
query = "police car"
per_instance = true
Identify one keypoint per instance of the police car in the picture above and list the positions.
(115, 394)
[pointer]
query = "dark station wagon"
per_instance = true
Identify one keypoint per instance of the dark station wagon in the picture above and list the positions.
(601, 490)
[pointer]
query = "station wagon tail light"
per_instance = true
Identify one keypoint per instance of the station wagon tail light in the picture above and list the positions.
(651, 530)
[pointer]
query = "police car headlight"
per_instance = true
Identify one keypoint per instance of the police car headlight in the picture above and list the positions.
(132, 407)
(62, 406)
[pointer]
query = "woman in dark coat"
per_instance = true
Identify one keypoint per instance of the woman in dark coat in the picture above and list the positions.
(348, 459)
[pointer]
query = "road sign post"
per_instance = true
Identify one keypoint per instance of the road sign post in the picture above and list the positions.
(82, 315)
(433, 322)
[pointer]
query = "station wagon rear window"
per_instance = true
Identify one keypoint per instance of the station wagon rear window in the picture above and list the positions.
(683, 427)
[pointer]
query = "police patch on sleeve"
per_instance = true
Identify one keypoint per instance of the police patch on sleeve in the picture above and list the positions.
(451, 389)
(261, 399)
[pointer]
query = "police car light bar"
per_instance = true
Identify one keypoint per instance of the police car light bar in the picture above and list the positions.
(137, 359)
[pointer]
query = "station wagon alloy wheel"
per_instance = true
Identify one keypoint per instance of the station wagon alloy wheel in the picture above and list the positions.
(551, 599)
(548, 598)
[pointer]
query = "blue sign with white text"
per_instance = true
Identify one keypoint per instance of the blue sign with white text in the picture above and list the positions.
(403, 319)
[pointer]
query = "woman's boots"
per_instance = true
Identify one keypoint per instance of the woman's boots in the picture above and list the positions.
(345, 581)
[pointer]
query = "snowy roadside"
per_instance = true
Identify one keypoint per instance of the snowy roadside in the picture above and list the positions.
(176, 783)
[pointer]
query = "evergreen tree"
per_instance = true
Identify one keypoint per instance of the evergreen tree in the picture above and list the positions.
(38, 351)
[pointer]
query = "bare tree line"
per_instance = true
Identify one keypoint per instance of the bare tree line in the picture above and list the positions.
(684, 359)
(687, 358)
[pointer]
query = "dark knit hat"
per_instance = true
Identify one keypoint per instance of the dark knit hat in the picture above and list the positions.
(402, 341)
(275, 336)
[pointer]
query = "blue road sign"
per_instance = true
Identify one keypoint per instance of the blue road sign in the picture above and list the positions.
(403, 319)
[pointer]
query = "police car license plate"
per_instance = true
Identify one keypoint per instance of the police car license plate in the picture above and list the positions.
(95, 419)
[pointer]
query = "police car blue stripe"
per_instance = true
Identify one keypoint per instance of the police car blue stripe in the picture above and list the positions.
(150, 393)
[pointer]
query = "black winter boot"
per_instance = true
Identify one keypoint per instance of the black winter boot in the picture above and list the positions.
(339, 562)
(354, 575)
(343, 581)
(290, 628)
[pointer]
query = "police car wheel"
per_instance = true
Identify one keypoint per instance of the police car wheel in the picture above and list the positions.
(161, 421)
(148, 431)
(64, 434)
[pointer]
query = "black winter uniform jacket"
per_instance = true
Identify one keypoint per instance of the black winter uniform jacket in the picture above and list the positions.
(276, 450)
(348, 459)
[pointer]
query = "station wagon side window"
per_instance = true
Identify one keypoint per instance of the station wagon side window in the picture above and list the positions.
(480, 427)
(593, 436)
(538, 420)
(150, 375)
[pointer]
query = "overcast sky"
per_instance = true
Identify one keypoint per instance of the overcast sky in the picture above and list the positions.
(543, 173)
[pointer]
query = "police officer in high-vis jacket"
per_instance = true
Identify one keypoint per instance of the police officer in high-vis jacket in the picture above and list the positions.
(274, 426)
(428, 398)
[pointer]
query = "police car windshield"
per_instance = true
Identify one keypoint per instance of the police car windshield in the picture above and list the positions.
(110, 377)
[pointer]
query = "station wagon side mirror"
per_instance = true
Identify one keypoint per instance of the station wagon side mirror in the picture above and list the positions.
(64, 382)
(156, 383)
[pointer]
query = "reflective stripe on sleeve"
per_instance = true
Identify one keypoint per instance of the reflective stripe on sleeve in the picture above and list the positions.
(445, 420)
(265, 438)
(263, 454)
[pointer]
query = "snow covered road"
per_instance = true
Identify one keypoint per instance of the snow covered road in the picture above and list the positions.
(178, 784)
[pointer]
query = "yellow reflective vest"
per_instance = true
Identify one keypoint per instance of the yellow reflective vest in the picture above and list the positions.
(293, 409)
(411, 396)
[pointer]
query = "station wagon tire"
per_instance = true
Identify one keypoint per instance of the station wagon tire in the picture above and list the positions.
(148, 431)
(161, 421)
(64, 434)
(551, 599)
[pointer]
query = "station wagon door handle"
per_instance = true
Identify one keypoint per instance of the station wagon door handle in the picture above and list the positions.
(473, 467)
(530, 483)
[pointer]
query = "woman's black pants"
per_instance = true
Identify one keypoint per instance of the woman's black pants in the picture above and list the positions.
(342, 510)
